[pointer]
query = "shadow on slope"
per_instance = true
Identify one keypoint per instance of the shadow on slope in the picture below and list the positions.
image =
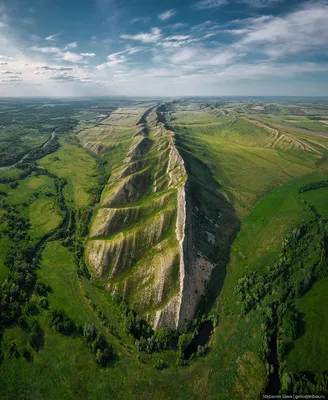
(213, 222)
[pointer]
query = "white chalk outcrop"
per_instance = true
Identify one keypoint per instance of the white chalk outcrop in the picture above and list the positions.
(141, 240)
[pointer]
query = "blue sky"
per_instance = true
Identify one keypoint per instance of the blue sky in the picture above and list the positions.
(167, 48)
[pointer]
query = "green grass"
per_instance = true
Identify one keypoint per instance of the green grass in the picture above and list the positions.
(301, 122)
(44, 217)
(259, 240)
(319, 199)
(27, 188)
(32, 199)
(262, 184)
(59, 271)
(310, 351)
(240, 162)
(73, 163)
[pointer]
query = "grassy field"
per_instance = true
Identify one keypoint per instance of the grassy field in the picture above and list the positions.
(30, 188)
(59, 271)
(319, 199)
(44, 217)
(241, 161)
(77, 166)
(34, 198)
(260, 186)
(310, 351)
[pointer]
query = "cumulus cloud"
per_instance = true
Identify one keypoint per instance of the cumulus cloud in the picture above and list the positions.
(71, 57)
(167, 15)
(176, 62)
(153, 37)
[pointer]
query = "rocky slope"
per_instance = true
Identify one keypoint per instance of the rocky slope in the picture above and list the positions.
(150, 240)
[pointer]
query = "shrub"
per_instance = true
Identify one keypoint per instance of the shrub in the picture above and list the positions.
(44, 303)
(61, 322)
(159, 364)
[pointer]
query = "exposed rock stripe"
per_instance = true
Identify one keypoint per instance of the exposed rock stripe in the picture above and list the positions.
(131, 246)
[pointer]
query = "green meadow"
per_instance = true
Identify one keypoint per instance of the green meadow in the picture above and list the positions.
(258, 183)
(74, 164)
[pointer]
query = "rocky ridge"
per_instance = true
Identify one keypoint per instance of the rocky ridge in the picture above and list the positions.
(143, 239)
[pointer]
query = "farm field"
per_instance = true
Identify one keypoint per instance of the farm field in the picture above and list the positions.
(165, 250)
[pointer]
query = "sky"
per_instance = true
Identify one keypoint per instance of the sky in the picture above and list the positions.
(167, 48)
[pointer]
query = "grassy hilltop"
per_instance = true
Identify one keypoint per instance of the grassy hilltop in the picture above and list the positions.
(146, 215)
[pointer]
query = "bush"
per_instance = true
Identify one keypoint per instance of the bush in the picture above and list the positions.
(102, 351)
(165, 339)
(89, 332)
(61, 322)
(35, 337)
(159, 364)
(26, 354)
(184, 342)
(44, 303)
(12, 348)
(41, 289)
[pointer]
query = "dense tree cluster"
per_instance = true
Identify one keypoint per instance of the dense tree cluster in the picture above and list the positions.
(304, 384)
(303, 259)
(102, 351)
(61, 322)
(313, 186)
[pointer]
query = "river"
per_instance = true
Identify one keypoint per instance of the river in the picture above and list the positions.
(53, 135)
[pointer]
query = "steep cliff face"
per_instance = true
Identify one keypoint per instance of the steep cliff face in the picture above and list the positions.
(143, 240)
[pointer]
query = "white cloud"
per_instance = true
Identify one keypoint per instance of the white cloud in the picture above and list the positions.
(267, 69)
(208, 4)
(152, 37)
(88, 54)
(183, 56)
(178, 37)
(117, 59)
(71, 57)
(303, 30)
(7, 72)
(167, 15)
(70, 46)
(260, 3)
(6, 58)
(113, 60)
(46, 50)
(178, 25)
(55, 68)
(139, 19)
(53, 37)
